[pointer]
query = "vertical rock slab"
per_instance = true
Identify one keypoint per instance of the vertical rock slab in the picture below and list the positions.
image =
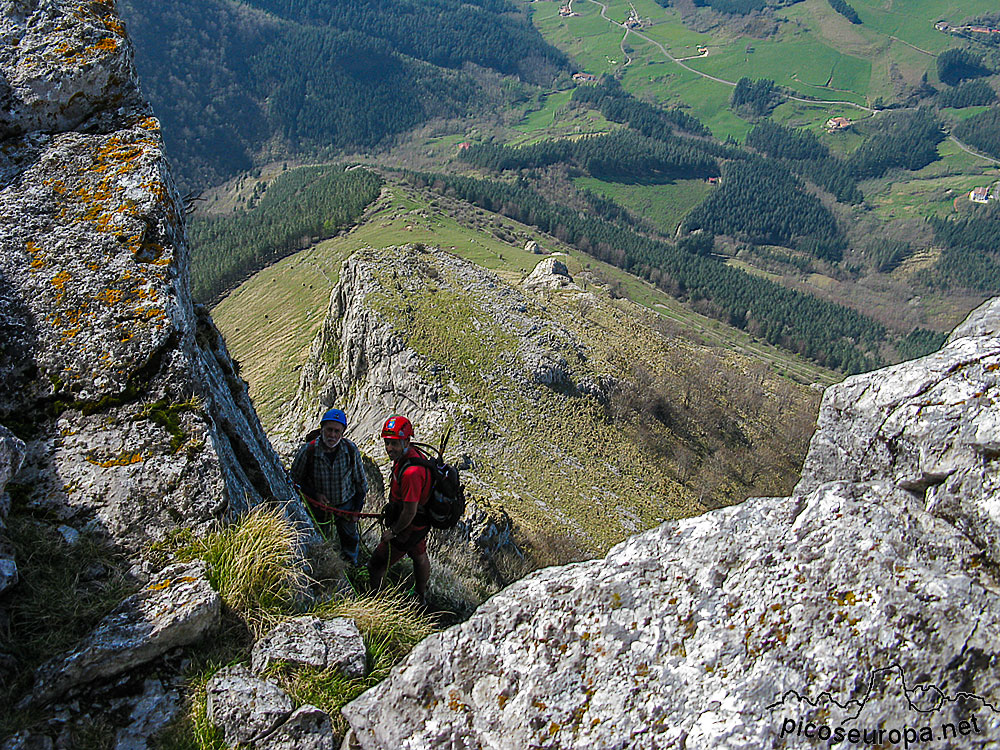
(131, 407)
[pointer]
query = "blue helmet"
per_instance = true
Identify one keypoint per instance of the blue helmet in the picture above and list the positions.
(334, 415)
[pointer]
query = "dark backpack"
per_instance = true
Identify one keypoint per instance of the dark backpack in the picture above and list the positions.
(446, 505)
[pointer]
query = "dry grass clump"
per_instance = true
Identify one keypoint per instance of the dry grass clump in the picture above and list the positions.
(255, 566)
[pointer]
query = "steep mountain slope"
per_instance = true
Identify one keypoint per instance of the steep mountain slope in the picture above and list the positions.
(572, 412)
(235, 82)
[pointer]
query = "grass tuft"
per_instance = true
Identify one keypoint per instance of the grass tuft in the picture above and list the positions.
(254, 565)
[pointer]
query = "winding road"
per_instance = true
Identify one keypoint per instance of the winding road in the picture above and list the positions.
(678, 61)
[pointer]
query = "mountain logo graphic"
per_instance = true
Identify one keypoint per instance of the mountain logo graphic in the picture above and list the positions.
(923, 699)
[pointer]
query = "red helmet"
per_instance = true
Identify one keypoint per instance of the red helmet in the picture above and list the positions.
(397, 428)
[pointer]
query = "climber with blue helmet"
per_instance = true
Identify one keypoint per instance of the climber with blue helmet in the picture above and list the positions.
(329, 471)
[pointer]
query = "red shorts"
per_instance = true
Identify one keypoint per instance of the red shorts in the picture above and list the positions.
(412, 542)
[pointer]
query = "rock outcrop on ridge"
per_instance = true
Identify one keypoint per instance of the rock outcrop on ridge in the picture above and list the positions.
(865, 602)
(134, 416)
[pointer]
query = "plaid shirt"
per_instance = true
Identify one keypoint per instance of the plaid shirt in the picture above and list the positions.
(338, 474)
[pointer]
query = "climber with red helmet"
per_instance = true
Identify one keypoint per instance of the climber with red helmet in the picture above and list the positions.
(406, 529)
(329, 470)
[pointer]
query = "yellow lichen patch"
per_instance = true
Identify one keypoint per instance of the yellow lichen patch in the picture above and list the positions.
(123, 459)
(59, 281)
(110, 297)
(37, 258)
(162, 585)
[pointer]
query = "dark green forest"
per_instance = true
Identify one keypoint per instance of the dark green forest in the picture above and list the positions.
(797, 321)
(982, 132)
(617, 105)
(760, 202)
(906, 140)
(801, 152)
(967, 94)
(754, 98)
(956, 65)
(299, 208)
(969, 259)
(623, 156)
(233, 84)
(844, 9)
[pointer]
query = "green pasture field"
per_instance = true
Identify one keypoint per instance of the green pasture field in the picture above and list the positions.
(664, 206)
(803, 64)
(592, 42)
(557, 118)
(913, 20)
(933, 190)
(816, 52)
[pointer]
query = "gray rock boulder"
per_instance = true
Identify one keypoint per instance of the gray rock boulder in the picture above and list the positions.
(313, 642)
(550, 273)
(176, 609)
(156, 708)
(308, 728)
(245, 707)
(11, 456)
(867, 599)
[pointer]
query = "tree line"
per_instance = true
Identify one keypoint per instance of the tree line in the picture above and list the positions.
(982, 132)
(763, 203)
(956, 65)
(967, 94)
(491, 33)
(906, 140)
(801, 152)
(845, 10)
(968, 259)
(797, 321)
(299, 208)
(617, 105)
(622, 156)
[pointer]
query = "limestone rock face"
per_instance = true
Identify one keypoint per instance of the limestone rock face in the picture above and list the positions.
(245, 707)
(312, 642)
(550, 273)
(308, 728)
(177, 609)
(130, 405)
(867, 599)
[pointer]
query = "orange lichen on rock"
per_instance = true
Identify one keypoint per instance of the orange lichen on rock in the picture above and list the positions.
(123, 459)
(37, 261)
(59, 281)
